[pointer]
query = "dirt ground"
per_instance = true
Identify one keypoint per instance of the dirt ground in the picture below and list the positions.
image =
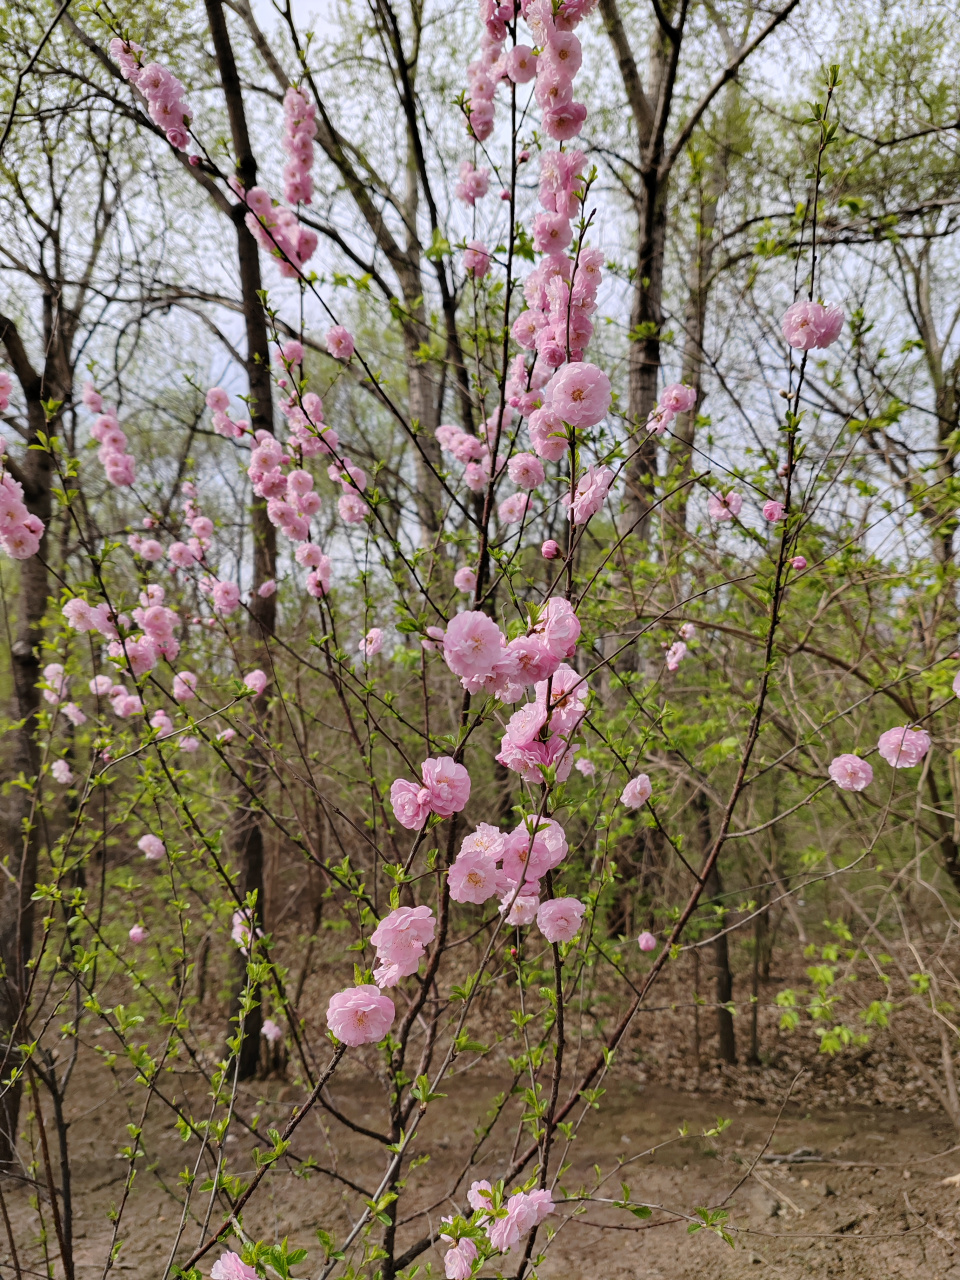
(870, 1205)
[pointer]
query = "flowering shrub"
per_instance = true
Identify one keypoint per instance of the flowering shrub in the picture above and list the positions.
(462, 716)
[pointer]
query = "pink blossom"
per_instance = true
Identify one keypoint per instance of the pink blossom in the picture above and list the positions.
(480, 1196)
(903, 747)
(675, 655)
(521, 64)
(411, 803)
(152, 847)
(318, 582)
(720, 507)
(513, 509)
(62, 772)
(646, 942)
(290, 352)
(371, 644)
(201, 526)
(137, 934)
(547, 434)
(773, 511)
(525, 470)
(217, 400)
(637, 792)
(73, 713)
(184, 686)
(240, 929)
(475, 477)
(590, 494)
(472, 645)
(474, 877)
(560, 628)
(256, 680)
(550, 549)
(189, 743)
(798, 563)
(528, 660)
(473, 184)
(520, 909)
(267, 589)
(809, 326)
(533, 848)
(400, 940)
(559, 919)
(850, 773)
(956, 684)
(100, 686)
(564, 121)
(271, 1032)
(476, 259)
(53, 676)
(151, 549)
(658, 420)
(360, 1015)
(551, 233)
(678, 398)
(230, 1266)
(586, 767)
(688, 631)
(352, 508)
(181, 555)
(524, 1212)
(458, 1261)
(465, 579)
(448, 785)
(340, 342)
(484, 839)
(226, 597)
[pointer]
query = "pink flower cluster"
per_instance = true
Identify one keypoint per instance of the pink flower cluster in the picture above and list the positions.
(6, 389)
(445, 791)
(277, 230)
(218, 402)
(524, 1211)
(117, 463)
(400, 940)
(811, 326)
(476, 650)
(556, 322)
(20, 530)
(510, 865)
(674, 399)
(589, 495)
(362, 1015)
(539, 735)
(162, 90)
(299, 131)
(473, 185)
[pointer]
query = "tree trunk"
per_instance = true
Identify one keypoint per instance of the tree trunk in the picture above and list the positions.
(246, 835)
(721, 951)
(699, 282)
(22, 840)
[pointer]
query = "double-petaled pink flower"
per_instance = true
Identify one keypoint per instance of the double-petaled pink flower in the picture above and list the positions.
(361, 1015)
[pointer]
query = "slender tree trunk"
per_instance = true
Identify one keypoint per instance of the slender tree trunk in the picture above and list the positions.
(246, 836)
(22, 840)
(721, 950)
(699, 282)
